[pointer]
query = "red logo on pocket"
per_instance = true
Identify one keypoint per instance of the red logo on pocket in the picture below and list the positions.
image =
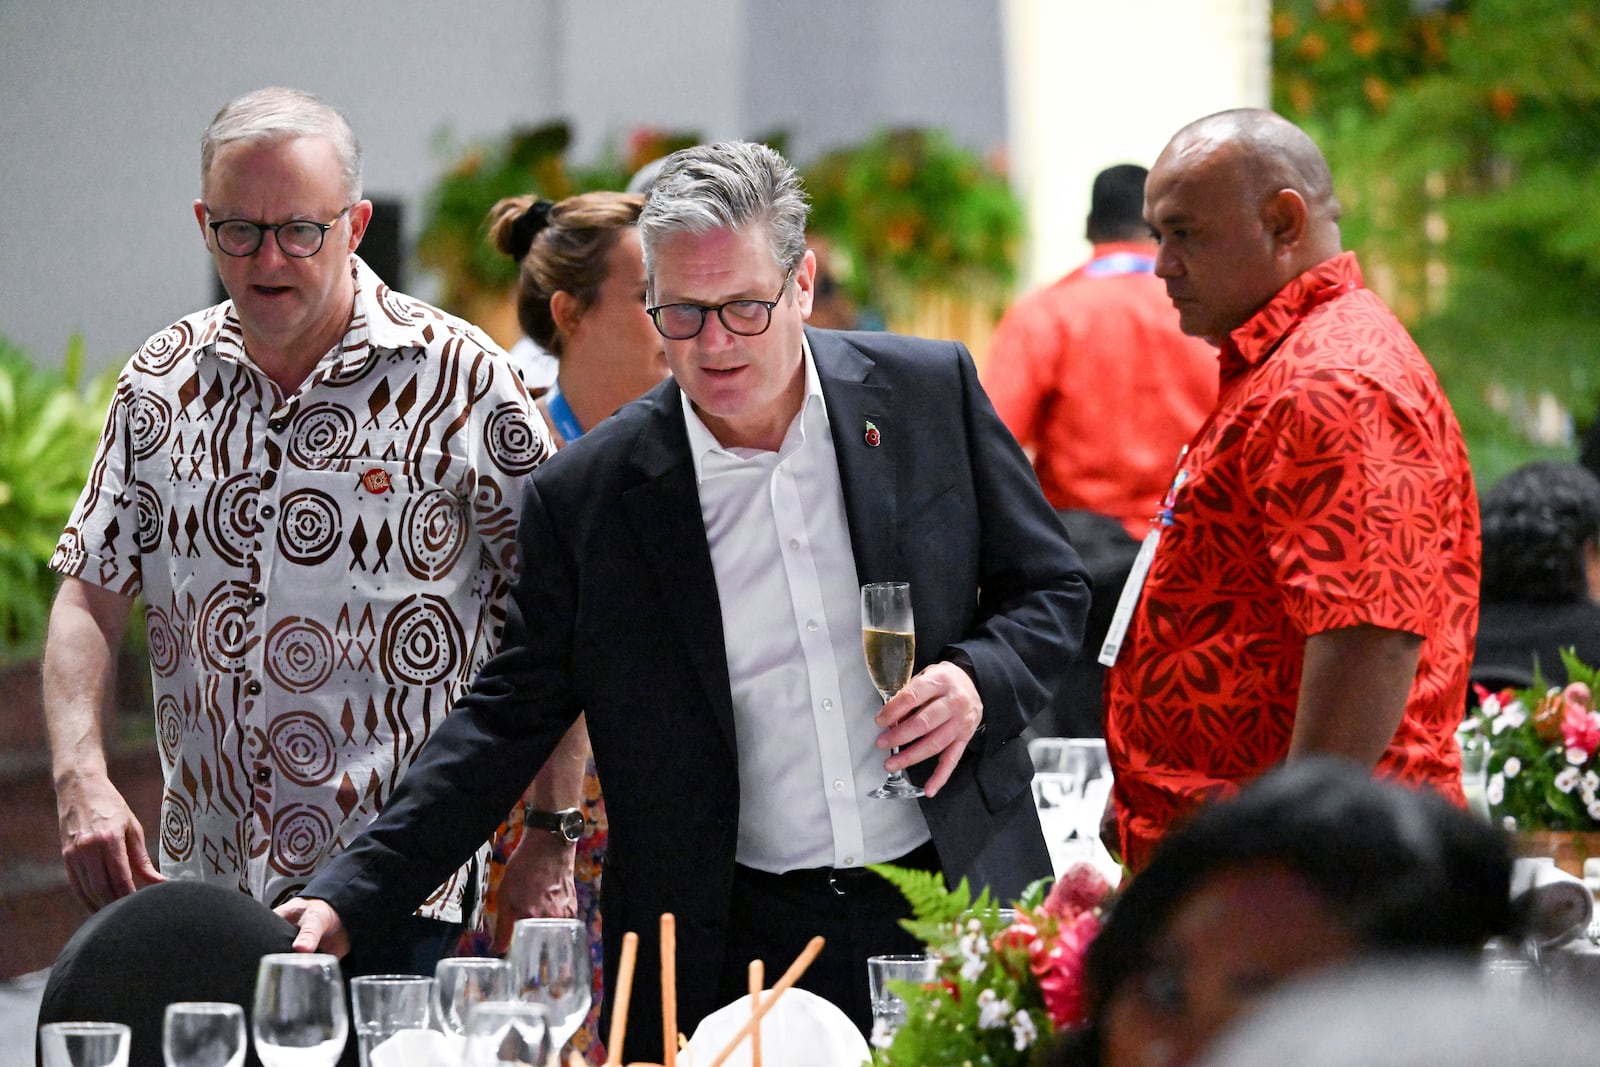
(376, 480)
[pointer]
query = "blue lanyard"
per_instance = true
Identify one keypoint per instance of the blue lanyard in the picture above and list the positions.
(1116, 263)
(561, 414)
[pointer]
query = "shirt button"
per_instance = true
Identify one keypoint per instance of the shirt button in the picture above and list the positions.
(849, 861)
(838, 785)
(827, 705)
(263, 775)
(253, 688)
(811, 624)
(258, 599)
(267, 511)
(277, 425)
(794, 542)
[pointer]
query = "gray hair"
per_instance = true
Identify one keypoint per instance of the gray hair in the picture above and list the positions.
(270, 114)
(727, 186)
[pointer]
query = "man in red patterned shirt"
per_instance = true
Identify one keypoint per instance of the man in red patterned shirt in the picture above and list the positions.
(1314, 578)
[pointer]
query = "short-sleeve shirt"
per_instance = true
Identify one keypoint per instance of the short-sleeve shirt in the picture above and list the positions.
(1093, 373)
(322, 573)
(1329, 489)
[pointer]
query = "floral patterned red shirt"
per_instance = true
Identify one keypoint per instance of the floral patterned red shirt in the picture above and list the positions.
(1330, 488)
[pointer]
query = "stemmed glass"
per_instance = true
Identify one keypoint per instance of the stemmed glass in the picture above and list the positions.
(299, 1018)
(203, 1033)
(889, 642)
(460, 982)
(550, 962)
(509, 1032)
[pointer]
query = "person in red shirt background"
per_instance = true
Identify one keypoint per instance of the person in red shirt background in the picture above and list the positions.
(1093, 376)
(1314, 582)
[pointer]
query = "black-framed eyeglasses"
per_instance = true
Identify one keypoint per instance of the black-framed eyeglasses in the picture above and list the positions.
(747, 318)
(299, 239)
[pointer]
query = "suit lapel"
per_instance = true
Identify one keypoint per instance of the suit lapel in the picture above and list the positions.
(864, 439)
(664, 511)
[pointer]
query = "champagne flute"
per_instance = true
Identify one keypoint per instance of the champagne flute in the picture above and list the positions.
(889, 642)
(550, 959)
(203, 1033)
(299, 1018)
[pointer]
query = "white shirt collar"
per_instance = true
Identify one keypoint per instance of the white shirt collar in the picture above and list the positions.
(703, 443)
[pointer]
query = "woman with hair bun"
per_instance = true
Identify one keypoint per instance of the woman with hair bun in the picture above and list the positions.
(580, 297)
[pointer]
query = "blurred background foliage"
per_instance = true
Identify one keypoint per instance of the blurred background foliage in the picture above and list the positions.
(50, 421)
(1464, 137)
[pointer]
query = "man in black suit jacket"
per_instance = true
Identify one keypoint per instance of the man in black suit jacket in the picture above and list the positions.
(689, 580)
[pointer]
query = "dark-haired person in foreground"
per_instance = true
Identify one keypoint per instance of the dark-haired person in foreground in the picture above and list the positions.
(1312, 867)
(692, 585)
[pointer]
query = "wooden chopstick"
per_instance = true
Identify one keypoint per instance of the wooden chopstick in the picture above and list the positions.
(758, 981)
(619, 1003)
(796, 969)
(669, 990)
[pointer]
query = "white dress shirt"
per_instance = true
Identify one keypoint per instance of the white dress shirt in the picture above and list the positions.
(803, 705)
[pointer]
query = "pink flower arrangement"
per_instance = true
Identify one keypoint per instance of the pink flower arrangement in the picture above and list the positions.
(1007, 976)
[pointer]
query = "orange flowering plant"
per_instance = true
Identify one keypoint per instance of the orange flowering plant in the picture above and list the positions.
(1007, 977)
(1542, 741)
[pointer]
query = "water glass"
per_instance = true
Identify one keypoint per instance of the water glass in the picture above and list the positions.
(888, 1009)
(386, 1004)
(550, 960)
(505, 1032)
(84, 1044)
(459, 982)
(203, 1034)
(299, 1019)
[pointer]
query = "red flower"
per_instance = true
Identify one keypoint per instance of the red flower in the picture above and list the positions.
(1578, 726)
(1059, 968)
(1079, 888)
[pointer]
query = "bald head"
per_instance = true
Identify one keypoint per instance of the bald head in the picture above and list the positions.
(1243, 204)
(1270, 152)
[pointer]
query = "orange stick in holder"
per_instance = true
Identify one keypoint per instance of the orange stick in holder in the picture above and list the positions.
(669, 990)
(624, 995)
(792, 975)
(758, 981)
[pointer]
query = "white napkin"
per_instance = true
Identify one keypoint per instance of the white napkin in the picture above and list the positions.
(800, 1030)
(1555, 906)
(416, 1048)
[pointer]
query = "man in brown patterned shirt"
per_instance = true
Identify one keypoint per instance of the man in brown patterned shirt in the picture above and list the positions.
(314, 486)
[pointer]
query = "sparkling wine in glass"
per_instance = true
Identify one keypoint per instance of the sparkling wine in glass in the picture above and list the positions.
(299, 1018)
(550, 961)
(889, 642)
(203, 1034)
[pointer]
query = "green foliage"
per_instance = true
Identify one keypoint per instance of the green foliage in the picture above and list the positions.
(913, 211)
(934, 909)
(49, 425)
(527, 160)
(1464, 139)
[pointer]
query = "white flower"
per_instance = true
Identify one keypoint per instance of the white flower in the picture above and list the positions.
(1509, 719)
(1509, 824)
(882, 1033)
(1512, 767)
(992, 1011)
(973, 947)
(1577, 757)
(1594, 809)
(971, 969)
(1567, 780)
(1495, 791)
(1023, 1032)
(1591, 782)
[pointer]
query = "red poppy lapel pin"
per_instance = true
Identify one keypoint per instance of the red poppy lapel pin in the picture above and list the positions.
(872, 436)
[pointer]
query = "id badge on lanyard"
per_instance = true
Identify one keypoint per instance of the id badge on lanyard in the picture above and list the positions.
(1134, 586)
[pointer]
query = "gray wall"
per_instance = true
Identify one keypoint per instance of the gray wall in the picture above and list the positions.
(102, 104)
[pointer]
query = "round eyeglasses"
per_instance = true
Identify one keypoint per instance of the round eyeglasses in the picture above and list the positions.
(299, 239)
(747, 318)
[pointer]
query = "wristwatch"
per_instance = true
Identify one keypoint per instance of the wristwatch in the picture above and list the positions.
(568, 822)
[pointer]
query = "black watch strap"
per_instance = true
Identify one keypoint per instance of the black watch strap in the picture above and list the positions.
(567, 823)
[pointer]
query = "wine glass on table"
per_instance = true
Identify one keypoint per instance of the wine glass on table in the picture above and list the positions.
(299, 1018)
(203, 1034)
(84, 1044)
(462, 982)
(550, 964)
(889, 642)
